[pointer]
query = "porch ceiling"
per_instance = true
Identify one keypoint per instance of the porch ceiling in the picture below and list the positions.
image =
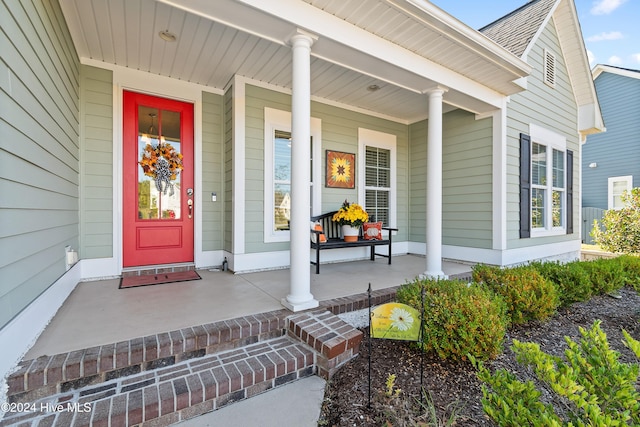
(405, 47)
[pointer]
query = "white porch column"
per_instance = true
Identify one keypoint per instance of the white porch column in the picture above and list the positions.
(434, 185)
(300, 297)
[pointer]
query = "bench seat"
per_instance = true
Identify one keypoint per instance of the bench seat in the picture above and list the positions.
(334, 241)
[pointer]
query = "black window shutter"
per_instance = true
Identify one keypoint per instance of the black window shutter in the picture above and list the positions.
(525, 186)
(569, 192)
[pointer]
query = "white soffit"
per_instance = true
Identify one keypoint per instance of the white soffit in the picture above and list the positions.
(251, 36)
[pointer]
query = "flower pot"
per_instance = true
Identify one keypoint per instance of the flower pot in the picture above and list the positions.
(349, 233)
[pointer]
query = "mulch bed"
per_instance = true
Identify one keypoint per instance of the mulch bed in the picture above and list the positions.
(454, 387)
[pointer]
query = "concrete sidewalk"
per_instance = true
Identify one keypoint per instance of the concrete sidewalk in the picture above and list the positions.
(294, 404)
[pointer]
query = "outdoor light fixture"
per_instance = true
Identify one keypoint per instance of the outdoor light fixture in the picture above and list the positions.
(373, 88)
(167, 36)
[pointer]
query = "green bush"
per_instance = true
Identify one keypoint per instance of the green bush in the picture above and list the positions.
(460, 319)
(620, 230)
(594, 387)
(605, 275)
(570, 279)
(631, 270)
(528, 295)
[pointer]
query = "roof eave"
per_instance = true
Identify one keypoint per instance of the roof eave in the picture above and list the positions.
(466, 35)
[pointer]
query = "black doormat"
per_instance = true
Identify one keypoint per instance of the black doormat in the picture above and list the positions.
(156, 279)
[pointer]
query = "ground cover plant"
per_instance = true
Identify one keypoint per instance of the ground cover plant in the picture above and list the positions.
(451, 385)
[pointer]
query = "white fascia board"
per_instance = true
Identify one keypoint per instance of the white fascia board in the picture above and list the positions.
(464, 34)
(335, 33)
(590, 120)
(329, 27)
(602, 68)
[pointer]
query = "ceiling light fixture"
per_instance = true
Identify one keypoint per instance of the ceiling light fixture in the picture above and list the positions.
(373, 88)
(167, 36)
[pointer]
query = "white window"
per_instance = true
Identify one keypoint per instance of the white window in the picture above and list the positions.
(377, 179)
(277, 173)
(548, 182)
(617, 186)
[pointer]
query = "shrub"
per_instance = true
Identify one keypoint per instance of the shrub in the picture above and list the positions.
(528, 295)
(595, 388)
(620, 230)
(631, 270)
(570, 279)
(460, 319)
(605, 275)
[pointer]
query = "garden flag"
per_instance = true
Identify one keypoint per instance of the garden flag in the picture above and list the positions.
(395, 321)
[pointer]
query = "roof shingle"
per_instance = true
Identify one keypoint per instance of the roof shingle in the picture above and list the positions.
(515, 31)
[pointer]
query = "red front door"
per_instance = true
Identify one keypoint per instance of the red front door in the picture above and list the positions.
(158, 180)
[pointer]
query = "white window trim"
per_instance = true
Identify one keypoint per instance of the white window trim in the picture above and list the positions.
(281, 120)
(552, 141)
(611, 180)
(371, 138)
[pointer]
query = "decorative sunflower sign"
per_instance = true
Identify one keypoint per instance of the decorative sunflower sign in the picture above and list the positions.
(395, 321)
(162, 163)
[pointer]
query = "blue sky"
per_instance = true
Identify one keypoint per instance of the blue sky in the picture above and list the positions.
(610, 28)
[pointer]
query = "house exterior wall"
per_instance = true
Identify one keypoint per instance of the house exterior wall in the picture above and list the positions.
(466, 180)
(339, 132)
(39, 179)
(213, 174)
(616, 151)
(96, 163)
(228, 170)
(554, 109)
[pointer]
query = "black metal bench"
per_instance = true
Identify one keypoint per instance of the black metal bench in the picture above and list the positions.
(332, 231)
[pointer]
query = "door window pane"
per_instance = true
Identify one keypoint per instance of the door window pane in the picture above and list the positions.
(159, 164)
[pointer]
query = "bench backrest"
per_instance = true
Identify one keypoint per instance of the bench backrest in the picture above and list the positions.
(331, 229)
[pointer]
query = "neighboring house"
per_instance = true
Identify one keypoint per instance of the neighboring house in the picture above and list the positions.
(468, 142)
(611, 160)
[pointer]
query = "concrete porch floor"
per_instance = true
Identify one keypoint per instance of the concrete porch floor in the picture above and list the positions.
(99, 313)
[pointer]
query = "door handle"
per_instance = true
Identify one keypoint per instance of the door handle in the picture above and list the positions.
(190, 205)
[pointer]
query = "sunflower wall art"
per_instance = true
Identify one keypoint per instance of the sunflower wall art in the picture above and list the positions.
(341, 170)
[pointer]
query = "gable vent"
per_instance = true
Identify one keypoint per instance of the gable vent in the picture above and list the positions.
(549, 68)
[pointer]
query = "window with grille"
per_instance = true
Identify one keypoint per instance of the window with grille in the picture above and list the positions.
(377, 183)
(617, 186)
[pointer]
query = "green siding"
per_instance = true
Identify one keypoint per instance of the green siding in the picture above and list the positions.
(212, 171)
(552, 108)
(228, 170)
(39, 123)
(418, 181)
(96, 189)
(466, 180)
(339, 132)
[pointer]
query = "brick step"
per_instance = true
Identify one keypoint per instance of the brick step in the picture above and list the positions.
(170, 394)
(168, 377)
(48, 375)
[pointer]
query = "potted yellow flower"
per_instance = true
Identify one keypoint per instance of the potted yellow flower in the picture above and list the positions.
(350, 216)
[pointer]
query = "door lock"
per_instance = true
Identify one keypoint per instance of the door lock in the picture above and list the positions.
(190, 205)
(189, 192)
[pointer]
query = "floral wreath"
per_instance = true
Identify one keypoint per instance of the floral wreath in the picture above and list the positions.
(162, 163)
